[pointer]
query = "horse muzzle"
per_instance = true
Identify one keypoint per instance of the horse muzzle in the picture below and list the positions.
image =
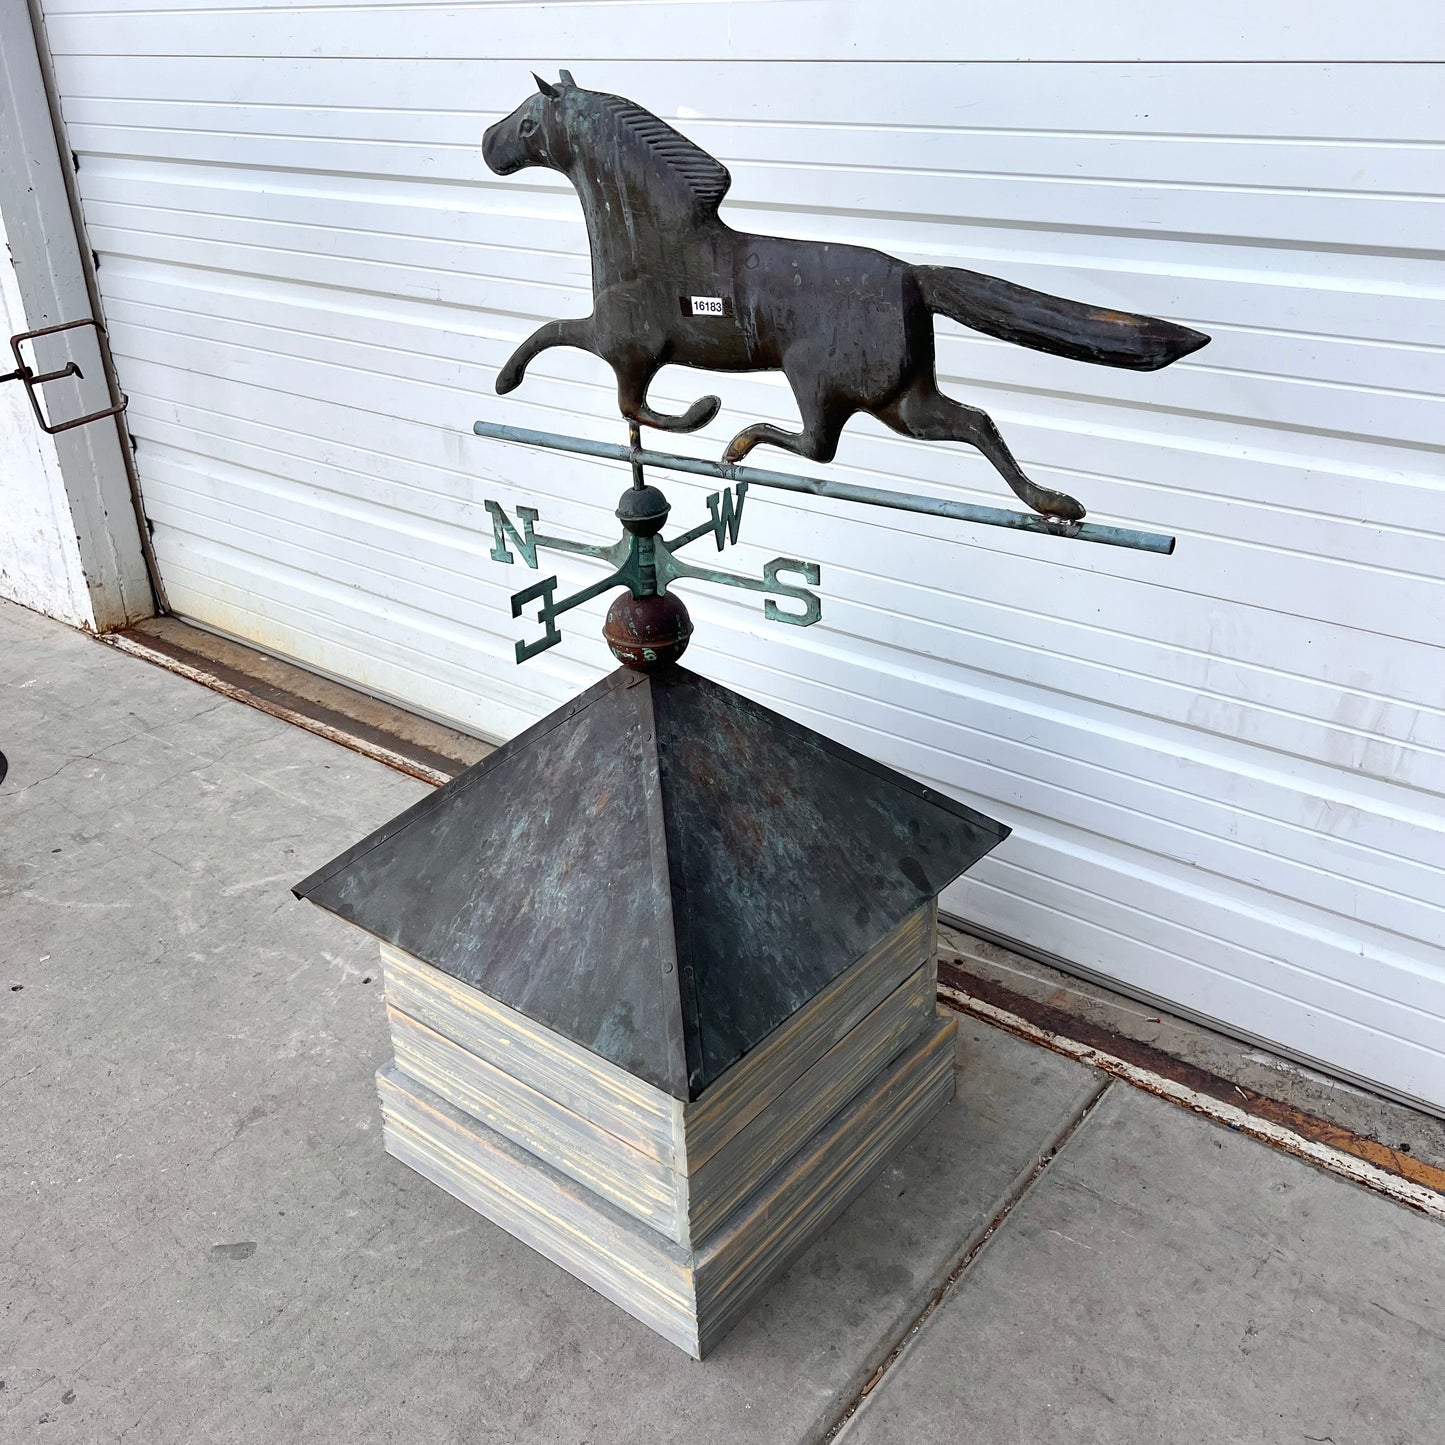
(501, 151)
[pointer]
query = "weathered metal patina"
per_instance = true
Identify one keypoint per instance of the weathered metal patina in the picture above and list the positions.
(850, 328)
(662, 871)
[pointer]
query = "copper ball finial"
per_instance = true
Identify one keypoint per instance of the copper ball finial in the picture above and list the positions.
(647, 633)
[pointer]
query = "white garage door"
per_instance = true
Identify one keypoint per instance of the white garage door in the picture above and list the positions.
(1224, 769)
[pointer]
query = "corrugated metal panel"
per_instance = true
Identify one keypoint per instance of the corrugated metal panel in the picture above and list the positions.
(1224, 769)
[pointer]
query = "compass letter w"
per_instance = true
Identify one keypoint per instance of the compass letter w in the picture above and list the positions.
(524, 541)
(727, 518)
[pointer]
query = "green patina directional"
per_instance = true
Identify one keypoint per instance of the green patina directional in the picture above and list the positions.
(646, 566)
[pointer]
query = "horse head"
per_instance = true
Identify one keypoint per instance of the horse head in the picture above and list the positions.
(606, 145)
(535, 134)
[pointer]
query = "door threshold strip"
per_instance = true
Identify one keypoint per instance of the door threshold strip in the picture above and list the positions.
(1409, 1181)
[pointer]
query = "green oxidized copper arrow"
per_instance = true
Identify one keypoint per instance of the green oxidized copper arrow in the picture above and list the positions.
(655, 628)
(649, 633)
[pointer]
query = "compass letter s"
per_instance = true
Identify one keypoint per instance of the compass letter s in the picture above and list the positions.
(812, 606)
(524, 541)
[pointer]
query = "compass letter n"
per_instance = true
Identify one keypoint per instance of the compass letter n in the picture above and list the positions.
(524, 541)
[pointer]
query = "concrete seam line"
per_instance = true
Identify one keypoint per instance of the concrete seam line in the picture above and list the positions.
(1347, 1166)
(1021, 1185)
(364, 746)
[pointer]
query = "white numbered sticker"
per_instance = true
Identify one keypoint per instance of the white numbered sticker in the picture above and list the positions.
(708, 306)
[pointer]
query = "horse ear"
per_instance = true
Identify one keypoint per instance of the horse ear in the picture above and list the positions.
(550, 91)
(565, 76)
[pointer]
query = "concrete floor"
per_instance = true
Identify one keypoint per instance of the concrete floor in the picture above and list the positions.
(202, 1240)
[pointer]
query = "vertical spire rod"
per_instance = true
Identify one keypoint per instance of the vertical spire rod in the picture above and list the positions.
(635, 447)
(634, 442)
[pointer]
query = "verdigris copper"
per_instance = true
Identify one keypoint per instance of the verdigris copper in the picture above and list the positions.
(851, 328)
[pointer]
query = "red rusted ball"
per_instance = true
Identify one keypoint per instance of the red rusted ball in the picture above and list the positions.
(647, 632)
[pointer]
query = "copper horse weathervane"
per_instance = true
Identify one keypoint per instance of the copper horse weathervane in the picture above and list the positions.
(851, 329)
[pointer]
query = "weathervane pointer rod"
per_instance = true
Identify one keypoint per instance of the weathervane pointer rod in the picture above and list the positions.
(838, 491)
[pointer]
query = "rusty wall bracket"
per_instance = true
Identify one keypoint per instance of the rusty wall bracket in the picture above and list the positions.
(32, 381)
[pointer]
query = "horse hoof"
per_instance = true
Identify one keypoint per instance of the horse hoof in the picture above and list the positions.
(701, 412)
(1058, 504)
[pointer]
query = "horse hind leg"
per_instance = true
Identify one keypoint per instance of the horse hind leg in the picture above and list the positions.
(925, 413)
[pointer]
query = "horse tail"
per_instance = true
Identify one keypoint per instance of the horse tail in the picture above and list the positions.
(1053, 324)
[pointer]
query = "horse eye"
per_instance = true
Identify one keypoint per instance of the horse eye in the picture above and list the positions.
(528, 127)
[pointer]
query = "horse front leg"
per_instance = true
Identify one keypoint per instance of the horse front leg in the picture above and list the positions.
(576, 333)
(633, 379)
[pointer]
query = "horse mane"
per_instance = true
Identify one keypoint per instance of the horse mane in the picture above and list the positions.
(704, 175)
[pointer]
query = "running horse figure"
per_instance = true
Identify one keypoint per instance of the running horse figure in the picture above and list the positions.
(851, 328)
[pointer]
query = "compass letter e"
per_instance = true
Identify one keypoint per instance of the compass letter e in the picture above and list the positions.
(544, 591)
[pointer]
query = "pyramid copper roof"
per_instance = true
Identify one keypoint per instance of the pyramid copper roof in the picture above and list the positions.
(661, 870)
